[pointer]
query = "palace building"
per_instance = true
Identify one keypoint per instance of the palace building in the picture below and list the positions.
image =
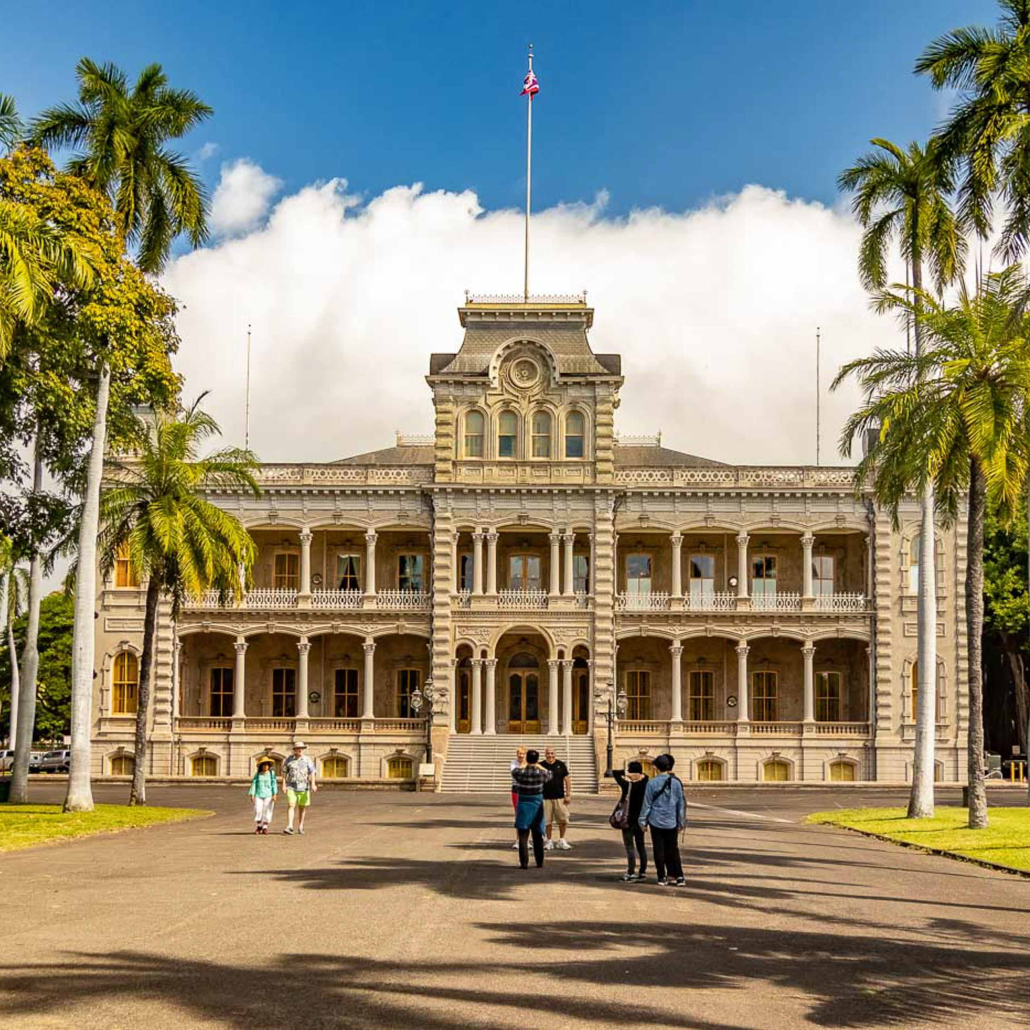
(549, 581)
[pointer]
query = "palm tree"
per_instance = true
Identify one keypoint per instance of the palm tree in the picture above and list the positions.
(122, 134)
(180, 543)
(953, 416)
(14, 585)
(989, 128)
(903, 195)
(10, 123)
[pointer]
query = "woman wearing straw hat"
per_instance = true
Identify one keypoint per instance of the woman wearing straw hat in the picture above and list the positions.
(263, 789)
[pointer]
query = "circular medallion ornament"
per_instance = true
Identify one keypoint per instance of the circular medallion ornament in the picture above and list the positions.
(525, 373)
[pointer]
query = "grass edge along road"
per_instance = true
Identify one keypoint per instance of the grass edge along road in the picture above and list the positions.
(1006, 842)
(27, 826)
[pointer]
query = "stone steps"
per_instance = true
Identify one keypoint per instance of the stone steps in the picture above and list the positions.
(481, 765)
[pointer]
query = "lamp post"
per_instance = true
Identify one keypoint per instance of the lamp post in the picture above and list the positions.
(426, 696)
(616, 705)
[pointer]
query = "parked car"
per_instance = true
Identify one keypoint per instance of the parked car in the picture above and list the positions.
(55, 762)
(6, 761)
(36, 762)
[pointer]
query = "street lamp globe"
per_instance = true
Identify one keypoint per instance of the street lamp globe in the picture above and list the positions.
(416, 700)
(621, 703)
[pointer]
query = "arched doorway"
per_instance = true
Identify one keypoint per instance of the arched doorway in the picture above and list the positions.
(523, 693)
(463, 691)
(580, 694)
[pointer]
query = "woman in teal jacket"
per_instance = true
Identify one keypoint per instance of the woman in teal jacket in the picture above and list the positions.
(263, 789)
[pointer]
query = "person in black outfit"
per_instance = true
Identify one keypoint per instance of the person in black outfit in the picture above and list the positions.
(529, 814)
(634, 783)
(557, 796)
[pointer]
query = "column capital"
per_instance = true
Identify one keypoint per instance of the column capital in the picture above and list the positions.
(807, 540)
(676, 650)
(743, 649)
(569, 536)
(676, 539)
(567, 663)
(808, 650)
(177, 645)
(555, 537)
(476, 662)
(492, 536)
(478, 534)
(241, 646)
(370, 536)
(454, 662)
(304, 646)
(490, 663)
(369, 647)
(306, 535)
(553, 663)
(743, 537)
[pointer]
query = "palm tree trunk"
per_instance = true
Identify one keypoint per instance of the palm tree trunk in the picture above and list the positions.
(80, 794)
(921, 799)
(1027, 752)
(15, 672)
(138, 794)
(974, 633)
(29, 664)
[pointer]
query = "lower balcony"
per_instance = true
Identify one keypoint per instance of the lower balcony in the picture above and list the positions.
(732, 728)
(190, 724)
(277, 599)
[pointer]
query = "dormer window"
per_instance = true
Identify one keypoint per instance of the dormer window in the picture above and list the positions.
(507, 434)
(541, 434)
(574, 427)
(474, 435)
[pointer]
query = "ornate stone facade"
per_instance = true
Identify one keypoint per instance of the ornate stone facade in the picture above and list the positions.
(758, 622)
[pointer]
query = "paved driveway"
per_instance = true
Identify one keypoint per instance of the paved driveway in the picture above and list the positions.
(404, 910)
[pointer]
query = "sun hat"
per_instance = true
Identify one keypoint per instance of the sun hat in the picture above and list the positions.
(299, 744)
(265, 760)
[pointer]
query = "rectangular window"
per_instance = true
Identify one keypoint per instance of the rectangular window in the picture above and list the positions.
(221, 692)
(702, 695)
(827, 697)
(507, 434)
(284, 693)
(345, 694)
(524, 572)
(124, 573)
(822, 575)
(638, 694)
(410, 568)
(541, 435)
(638, 574)
(581, 574)
(702, 575)
(465, 573)
(764, 690)
(286, 571)
(348, 572)
(408, 680)
(763, 575)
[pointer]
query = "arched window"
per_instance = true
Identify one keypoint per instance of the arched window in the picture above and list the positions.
(776, 771)
(842, 772)
(335, 767)
(400, 768)
(541, 434)
(122, 765)
(474, 435)
(507, 435)
(204, 765)
(709, 769)
(125, 683)
(574, 426)
(124, 571)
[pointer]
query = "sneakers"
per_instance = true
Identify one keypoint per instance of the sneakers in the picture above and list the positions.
(549, 846)
(289, 829)
(681, 881)
(640, 877)
(662, 881)
(257, 829)
(563, 845)
(300, 830)
(515, 846)
(629, 877)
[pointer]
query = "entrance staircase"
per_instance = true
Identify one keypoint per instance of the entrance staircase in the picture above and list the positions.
(481, 765)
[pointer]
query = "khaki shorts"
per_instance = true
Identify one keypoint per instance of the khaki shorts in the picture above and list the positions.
(555, 811)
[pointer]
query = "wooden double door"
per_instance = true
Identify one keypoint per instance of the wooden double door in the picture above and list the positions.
(523, 701)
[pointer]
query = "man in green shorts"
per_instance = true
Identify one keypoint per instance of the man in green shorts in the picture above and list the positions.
(299, 775)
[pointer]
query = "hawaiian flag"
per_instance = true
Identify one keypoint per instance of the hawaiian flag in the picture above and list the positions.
(530, 85)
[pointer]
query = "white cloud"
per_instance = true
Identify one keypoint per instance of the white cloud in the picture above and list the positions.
(713, 310)
(207, 151)
(242, 198)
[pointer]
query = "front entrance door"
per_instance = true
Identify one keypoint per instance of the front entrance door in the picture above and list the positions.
(523, 702)
(580, 699)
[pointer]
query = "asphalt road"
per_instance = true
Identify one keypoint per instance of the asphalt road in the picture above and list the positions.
(408, 910)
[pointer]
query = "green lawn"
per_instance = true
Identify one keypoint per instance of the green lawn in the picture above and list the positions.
(25, 826)
(1006, 841)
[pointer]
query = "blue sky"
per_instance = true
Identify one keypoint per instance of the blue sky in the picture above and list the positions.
(659, 103)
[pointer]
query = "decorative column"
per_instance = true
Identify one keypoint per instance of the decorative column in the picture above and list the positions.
(477, 696)
(869, 569)
(570, 545)
(455, 565)
(676, 650)
(552, 697)
(491, 562)
(742, 698)
(239, 682)
(742, 542)
(808, 652)
(677, 565)
(176, 673)
(370, 565)
(590, 570)
(490, 720)
(303, 650)
(555, 566)
(305, 563)
(368, 708)
(807, 542)
(566, 697)
(477, 562)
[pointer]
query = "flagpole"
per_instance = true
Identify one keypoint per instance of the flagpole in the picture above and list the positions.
(529, 175)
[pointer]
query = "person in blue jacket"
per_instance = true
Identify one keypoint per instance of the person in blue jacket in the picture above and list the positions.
(665, 811)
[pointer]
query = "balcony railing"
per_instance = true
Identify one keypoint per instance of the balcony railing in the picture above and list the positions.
(278, 599)
(652, 602)
(204, 723)
(842, 729)
(261, 598)
(404, 600)
(337, 600)
(729, 728)
(842, 603)
(522, 600)
(777, 729)
(778, 602)
(716, 602)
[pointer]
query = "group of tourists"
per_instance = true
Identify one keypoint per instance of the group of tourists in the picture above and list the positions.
(298, 772)
(541, 793)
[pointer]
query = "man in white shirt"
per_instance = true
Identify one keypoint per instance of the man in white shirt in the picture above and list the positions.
(299, 777)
